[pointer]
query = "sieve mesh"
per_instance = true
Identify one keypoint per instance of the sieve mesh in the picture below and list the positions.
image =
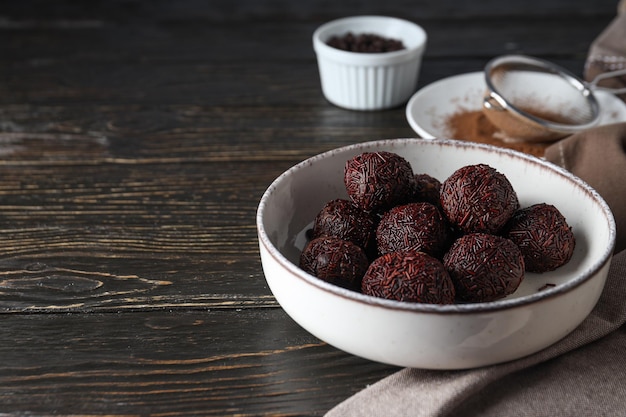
(538, 93)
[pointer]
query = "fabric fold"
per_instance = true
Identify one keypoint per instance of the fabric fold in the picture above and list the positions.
(608, 53)
(598, 156)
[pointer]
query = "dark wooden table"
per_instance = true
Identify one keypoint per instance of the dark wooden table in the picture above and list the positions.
(136, 139)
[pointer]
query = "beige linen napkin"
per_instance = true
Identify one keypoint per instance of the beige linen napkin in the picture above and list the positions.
(598, 156)
(608, 53)
(590, 380)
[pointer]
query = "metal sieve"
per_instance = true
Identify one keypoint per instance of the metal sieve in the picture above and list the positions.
(533, 100)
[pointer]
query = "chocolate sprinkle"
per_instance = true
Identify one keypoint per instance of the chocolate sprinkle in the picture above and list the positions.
(546, 286)
(484, 267)
(409, 276)
(365, 42)
(543, 235)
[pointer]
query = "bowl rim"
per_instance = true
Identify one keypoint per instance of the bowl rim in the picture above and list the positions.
(469, 308)
(321, 48)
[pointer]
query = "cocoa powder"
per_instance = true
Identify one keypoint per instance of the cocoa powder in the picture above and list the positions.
(473, 125)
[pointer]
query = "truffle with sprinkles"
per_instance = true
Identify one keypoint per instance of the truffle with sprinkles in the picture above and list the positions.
(477, 198)
(377, 181)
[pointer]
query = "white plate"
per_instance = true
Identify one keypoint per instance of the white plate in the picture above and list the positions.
(429, 108)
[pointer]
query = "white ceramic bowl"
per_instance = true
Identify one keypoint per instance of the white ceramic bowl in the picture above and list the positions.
(369, 81)
(436, 336)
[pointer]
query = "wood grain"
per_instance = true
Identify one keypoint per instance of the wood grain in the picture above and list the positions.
(247, 362)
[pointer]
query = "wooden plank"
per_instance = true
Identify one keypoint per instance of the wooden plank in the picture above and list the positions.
(115, 237)
(107, 225)
(155, 96)
(158, 50)
(211, 363)
(39, 11)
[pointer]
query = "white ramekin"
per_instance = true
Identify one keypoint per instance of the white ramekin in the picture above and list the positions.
(369, 81)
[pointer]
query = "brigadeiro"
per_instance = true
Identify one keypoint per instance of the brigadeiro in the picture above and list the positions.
(427, 189)
(409, 276)
(413, 226)
(484, 267)
(477, 198)
(336, 261)
(543, 235)
(377, 181)
(345, 220)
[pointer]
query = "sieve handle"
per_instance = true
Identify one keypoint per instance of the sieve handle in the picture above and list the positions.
(603, 76)
(494, 102)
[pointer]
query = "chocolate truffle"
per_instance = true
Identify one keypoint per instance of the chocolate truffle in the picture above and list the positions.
(413, 226)
(427, 189)
(477, 198)
(377, 181)
(543, 235)
(345, 220)
(335, 260)
(484, 267)
(409, 276)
